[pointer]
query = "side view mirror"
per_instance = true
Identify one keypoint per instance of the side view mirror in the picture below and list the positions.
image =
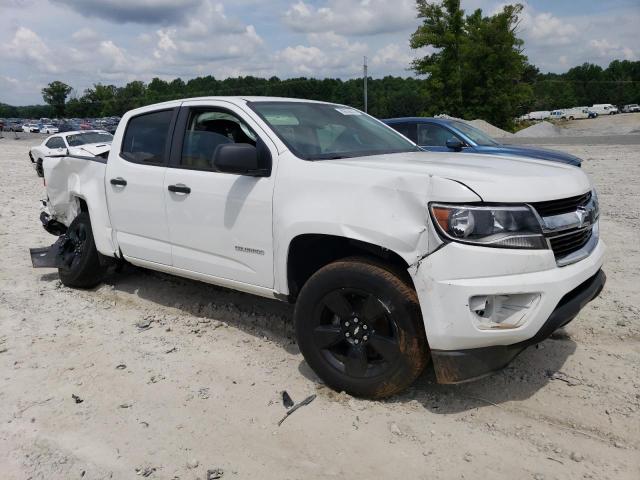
(455, 144)
(240, 159)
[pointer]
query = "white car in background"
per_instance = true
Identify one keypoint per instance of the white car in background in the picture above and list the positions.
(49, 129)
(83, 143)
(604, 109)
(630, 108)
(30, 128)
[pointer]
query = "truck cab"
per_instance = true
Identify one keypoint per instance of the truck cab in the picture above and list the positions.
(393, 256)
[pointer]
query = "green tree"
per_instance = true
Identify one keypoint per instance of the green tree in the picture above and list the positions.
(477, 67)
(493, 67)
(55, 94)
(442, 29)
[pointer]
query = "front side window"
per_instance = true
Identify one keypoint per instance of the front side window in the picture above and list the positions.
(432, 135)
(476, 135)
(145, 139)
(320, 131)
(206, 130)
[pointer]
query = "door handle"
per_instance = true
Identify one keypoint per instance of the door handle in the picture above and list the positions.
(121, 182)
(179, 189)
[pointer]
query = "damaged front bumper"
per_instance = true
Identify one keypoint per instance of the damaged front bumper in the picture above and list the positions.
(482, 306)
(456, 366)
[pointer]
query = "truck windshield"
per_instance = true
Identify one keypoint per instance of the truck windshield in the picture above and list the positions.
(476, 135)
(320, 131)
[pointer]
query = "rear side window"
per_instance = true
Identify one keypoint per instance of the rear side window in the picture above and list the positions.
(55, 142)
(406, 129)
(145, 139)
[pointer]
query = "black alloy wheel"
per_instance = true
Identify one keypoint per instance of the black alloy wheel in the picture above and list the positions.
(359, 327)
(356, 333)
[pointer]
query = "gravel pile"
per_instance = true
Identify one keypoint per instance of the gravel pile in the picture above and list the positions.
(542, 129)
(489, 129)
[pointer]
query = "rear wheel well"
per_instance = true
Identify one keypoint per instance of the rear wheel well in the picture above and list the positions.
(310, 252)
(83, 205)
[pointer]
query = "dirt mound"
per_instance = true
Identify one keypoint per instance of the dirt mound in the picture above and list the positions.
(542, 129)
(483, 125)
(489, 129)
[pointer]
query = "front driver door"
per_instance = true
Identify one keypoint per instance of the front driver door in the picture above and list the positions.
(220, 224)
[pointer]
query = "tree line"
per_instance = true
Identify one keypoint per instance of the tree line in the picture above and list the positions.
(477, 70)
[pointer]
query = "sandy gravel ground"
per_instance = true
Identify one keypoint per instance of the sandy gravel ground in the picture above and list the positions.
(199, 388)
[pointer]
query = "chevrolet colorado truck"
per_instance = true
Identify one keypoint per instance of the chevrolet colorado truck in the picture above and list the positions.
(393, 256)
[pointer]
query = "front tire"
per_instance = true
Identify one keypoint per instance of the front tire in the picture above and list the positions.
(80, 256)
(359, 327)
(39, 168)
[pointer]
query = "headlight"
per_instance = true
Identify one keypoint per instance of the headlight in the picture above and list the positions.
(490, 226)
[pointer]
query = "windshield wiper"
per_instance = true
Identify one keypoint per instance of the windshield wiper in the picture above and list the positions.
(335, 156)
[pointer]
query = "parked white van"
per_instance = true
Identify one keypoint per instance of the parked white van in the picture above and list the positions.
(604, 109)
(538, 115)
(558, 115)
(579, 112)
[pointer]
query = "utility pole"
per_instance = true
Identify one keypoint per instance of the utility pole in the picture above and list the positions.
(366, 74)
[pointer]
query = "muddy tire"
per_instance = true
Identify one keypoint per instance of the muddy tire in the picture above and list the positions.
(360, 329)
(39, 168)
(81, 256)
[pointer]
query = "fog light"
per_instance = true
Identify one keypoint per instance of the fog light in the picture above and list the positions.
(493, 312)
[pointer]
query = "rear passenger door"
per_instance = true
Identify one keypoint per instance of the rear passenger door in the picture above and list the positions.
(135, 187)
(220, 224)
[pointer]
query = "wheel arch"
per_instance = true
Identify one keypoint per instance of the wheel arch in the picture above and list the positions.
(309, 252)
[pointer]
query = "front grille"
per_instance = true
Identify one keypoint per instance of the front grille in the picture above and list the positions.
(558, 207)
(567, 243)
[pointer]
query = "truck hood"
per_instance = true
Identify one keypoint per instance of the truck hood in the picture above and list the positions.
(94, 149)
(531, 152)
(493, 178)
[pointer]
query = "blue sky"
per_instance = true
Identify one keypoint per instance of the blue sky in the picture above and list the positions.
(82, 42)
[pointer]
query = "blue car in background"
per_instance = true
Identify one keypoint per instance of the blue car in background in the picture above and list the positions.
(447, 134)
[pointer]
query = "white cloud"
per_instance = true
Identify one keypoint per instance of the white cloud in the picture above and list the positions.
(606, 49)
(27, 46)
(352, 17)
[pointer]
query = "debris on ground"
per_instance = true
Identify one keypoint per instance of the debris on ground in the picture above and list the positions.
(563, 377)
(76, 398)
(214, 473)
(121, 366)
(145, 471)
(304, 402)
(287, 401)
(144, 324)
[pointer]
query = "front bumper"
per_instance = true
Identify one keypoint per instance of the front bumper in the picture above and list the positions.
(449, 279)
(453, 366)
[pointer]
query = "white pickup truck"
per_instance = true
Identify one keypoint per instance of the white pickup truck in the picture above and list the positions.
(392, 255)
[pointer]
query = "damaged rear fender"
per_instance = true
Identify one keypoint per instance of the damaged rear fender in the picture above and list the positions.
(72, 181)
